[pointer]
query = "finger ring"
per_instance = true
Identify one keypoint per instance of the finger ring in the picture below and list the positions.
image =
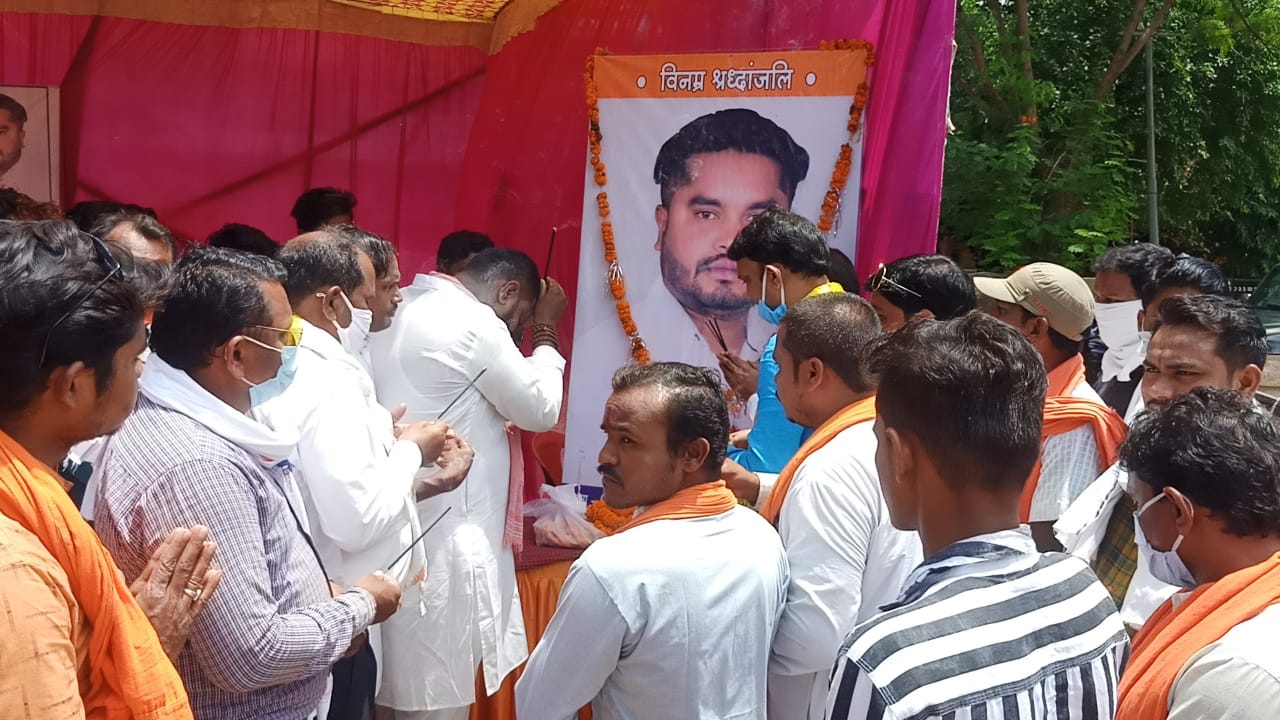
(193, 594)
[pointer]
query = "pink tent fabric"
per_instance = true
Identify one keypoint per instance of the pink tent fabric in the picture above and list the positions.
(215, 125)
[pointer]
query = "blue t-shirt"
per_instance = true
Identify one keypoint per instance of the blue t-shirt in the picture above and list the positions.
(773, 438)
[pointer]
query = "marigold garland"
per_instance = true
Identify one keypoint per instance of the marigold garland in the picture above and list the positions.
(608, 520)
(830, 202)
(617, 287)
(844, 163)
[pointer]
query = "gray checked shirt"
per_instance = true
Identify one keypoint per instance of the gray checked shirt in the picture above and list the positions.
(264, 645)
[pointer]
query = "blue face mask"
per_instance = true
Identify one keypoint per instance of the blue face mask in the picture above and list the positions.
(264, 392)
(773, 316)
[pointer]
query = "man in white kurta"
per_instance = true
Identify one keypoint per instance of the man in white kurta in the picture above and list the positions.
(356, 479)
(845, 556)
(673, 616)
(446, 332)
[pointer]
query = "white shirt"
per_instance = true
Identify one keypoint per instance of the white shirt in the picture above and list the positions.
(601, 348)
(441, 339)
(1235, 678)
(671, 619)
(1081, 529)
(356, 479)
(1068, 464)
(846, 560)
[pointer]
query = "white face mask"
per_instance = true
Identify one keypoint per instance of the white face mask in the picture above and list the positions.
(1118, 323)
(1118, 328)
(1165, 565)
(355, 337)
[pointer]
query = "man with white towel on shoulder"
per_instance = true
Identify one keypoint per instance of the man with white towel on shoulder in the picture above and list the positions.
(357, 479)
(449, 356)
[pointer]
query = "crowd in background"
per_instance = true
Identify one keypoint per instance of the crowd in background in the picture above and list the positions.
(244, 479)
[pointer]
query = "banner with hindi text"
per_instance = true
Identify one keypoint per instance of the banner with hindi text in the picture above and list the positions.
(690, 149)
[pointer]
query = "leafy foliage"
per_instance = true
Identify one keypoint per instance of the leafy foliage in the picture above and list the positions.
(1048, 158)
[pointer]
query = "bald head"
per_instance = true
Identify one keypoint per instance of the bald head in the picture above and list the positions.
(327, 277)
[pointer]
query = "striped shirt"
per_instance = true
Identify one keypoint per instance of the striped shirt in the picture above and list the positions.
(987, 628)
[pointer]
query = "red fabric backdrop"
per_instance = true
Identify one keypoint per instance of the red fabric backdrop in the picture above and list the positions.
(215, 125)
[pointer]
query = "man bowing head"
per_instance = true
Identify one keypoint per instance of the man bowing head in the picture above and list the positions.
(673, 616)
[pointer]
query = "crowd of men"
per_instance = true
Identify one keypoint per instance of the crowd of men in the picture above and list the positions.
(261, 481)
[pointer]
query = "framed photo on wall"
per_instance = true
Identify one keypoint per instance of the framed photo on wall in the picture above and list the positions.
(29, 157)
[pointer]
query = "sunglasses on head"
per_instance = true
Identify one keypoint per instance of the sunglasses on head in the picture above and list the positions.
(881, 279)
(108, 264)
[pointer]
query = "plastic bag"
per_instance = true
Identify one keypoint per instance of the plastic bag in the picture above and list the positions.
(561, 518)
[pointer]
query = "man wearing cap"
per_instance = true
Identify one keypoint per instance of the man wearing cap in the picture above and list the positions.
(1053, 306)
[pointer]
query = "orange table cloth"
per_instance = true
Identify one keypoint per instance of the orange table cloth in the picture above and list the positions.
(539, 589)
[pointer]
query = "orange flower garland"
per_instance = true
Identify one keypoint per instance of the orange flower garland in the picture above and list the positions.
(608, 520)
(830, 202)
(844, 164)
(617, 287)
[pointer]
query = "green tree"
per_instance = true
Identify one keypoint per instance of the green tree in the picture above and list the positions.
(1048, 158)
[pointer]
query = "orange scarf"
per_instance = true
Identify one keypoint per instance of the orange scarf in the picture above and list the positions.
(130, 677)
(859, 412)
(1064, 413)
(1173, 635)
(702, 500)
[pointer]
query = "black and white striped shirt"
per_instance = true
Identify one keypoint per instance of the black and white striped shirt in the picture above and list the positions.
(987, 628)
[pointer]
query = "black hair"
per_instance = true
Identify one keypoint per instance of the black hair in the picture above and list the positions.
(48, 270)
(1061, 343)
(145, 225)
(782, 238)
(88, 213)
(1213, 446)
(1143, 263)
(1242, 338)
(317, 206)
(318, 263)
(152, 280)
(970, 389)
(17, 113)
(1188, 272)
(499, 265)
(244, 238)
(458, 246)
(380, 252)
(695, 406)
(216, 296)
(938, 283)
(733, 130)
(836, 328)
(841, 271)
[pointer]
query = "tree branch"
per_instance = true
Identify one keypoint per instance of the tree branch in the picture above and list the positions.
(1129, 47)
(997, 14)
(1023, 20)
(988, 90)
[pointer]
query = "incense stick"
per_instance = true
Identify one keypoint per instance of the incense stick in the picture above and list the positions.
(717, 333)
(418, 539)
(454, 401)
(546, 267)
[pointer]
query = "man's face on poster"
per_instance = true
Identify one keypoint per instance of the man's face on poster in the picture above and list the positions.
(11, 136)
(725, 191)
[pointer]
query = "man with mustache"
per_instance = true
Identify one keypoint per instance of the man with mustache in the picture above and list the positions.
(714, 176)
(673, 616)
(1199, 341)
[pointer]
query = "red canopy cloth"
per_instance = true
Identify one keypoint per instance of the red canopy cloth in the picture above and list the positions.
(210, 125)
